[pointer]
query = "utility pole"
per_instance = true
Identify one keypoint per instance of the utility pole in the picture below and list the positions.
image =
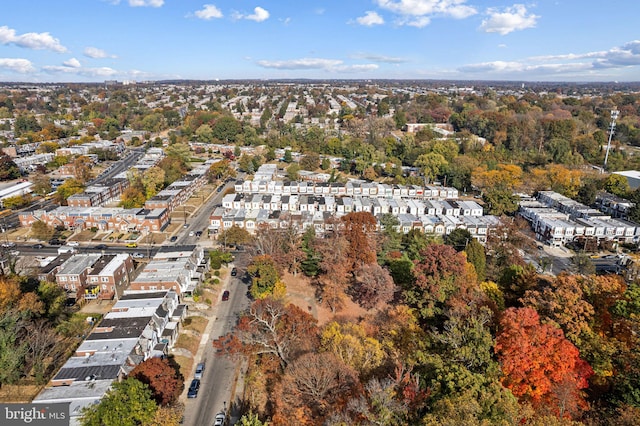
(612, 127)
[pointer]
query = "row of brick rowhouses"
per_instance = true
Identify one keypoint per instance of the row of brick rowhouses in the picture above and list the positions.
(154, 217)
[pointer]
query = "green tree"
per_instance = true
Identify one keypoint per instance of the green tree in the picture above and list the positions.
(234, 236)
(477, 257)
(226, 129)
(431, 164)
(264, 276)
(250, 419)
(180, 151)
(128, 403)
(617, 185)
(8, 168)
(292, 171)
(204, 133)
(310, 162)
(458, 239)
(288, 158)
(13, 349)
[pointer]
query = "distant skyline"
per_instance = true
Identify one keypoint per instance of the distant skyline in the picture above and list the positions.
(95, 40)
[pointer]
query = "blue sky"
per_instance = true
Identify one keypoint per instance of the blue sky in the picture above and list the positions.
(97, 40)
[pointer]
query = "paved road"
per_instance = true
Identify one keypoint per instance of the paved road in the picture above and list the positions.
(220, 373)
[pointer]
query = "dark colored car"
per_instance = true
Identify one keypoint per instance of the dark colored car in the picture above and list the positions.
(225, 295)
(234, 272)
(55, 242)
(194, 387)
(37, 246)
(198, 233)
(101, 247)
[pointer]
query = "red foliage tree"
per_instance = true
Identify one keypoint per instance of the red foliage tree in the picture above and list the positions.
(372, 285)
(359, 230)
(274, 329)
(440, 274)
(313, 386)
(539, 364)
(163, 379)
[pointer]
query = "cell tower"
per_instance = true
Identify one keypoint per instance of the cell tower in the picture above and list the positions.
(612, 128)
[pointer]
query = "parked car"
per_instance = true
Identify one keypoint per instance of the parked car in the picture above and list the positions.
(131, 245)
(225, 295)
(185, 226)
(137, 255)
(191, 234)
(73, 243)
(8, 244)
(234, 272)
(55, 242)
(199, 371)
(194, 387)
(101, 247)
(37, 246)
(198, 233)
(221, 419)
(173, 239)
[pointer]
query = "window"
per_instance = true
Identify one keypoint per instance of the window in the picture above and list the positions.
(63, 279)
(105, 279)
(73, 278)
(94, 279)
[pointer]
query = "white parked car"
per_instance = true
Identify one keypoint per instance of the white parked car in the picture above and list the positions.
(73, 244)
(138, 255)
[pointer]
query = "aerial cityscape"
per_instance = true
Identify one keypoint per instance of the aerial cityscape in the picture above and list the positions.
(383, 212)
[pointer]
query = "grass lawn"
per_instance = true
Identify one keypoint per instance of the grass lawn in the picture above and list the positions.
(188, 342)
(196, 323)
(19, 393)
(186, 364)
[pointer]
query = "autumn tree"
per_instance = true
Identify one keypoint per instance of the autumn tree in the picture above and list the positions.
(163, 379)
(67, 189)
(359, 228)
(372, 285)
(235, 236)
(350, 343)
(82, 166)
(41, 183)
(132, 197)
(539, 364)
(313, 386)
(42, 231)
(153, 181)
(271, 328)
(439, 275)
(334, 266)
(8, 168)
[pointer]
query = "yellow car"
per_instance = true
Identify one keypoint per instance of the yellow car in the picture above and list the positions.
(132, 245)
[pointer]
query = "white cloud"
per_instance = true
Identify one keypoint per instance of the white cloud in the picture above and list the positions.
(146, 3)
(331, 65)
(355, 68)
(17, 65)
(208, 11)
(301, 64)
(380, 58)
(513, 18)
(574, 64)
(370, 19)
(418, 13)
(259, 15)
(95, 53)
(36, 41)
(73, 62)
(86, 72)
